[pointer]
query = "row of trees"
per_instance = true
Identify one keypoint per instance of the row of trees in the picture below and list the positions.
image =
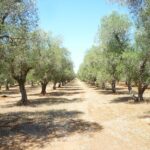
(27, 53)
(119, 56)
(53, 61)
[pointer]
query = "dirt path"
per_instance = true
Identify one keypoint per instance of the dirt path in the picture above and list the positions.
(75, 117)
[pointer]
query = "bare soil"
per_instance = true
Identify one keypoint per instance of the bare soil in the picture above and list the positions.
(74, 117)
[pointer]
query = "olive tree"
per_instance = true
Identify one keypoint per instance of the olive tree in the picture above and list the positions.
(41, 73)
(62, 69)
(53, 61)
(91, 66)
(141, 10)
(114, 36)
(129, 62)
(20, 19)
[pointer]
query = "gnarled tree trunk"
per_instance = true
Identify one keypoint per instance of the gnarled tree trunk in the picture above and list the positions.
(129, 87)
(24, 99)
(54, 85)
(113, 86)
(59, 85)
(141, 90)
(21, 79)
(7, 85)
(141, 85)
(43, 87)
(63, 83)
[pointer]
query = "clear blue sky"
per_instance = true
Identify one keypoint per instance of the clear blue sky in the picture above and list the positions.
(76, 21)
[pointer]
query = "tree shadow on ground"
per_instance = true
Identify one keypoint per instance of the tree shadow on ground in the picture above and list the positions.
(122, 99)
(48, 101)
(21, 130)
(145, 116)
(71, 89)
(14, 91)
(128, 99)
(60, 92)
(109, 91)
(9, 92)
(63, 93)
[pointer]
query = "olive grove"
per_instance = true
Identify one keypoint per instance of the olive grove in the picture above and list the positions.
(26, 50)
(120, 56)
